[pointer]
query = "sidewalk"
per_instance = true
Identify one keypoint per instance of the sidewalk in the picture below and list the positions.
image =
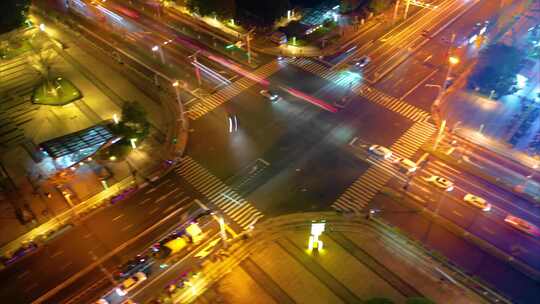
(104, 89)
(492, 123)
(361, 259)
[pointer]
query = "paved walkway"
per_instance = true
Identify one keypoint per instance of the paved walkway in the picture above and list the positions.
(360, 260)
(105, 89)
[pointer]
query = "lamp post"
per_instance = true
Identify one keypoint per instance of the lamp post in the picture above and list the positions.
(452, 60)
(248, 44)
(222, 230)
(176, 86)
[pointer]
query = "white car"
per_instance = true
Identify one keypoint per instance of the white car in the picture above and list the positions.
(406, 164)
(441, 182)
(381, 151)
(130, 283)
(271, 96)
(477, 202)
(361, 62)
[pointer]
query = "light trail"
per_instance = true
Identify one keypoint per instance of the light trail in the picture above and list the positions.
(211, 73)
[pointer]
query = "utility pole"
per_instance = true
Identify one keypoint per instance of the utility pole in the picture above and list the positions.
(407, 4)
(248, 44)
(197, 70)
(442, 88)
(396, 8)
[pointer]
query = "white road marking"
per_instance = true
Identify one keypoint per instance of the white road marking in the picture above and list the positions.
(144, 201)
(172, 207)
(457, 213)
(264, 161)
(488, 230)
(164, 196)
(57, 253)
(24, 274)
(30, 287)
(232, 199)
(118, 217)
(127, 227)
(150, 190)
(154, 210)
(178, 195)
(66, 265)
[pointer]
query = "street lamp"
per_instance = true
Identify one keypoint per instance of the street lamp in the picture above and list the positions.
(157, 48)
(453, 60)
(176, 86)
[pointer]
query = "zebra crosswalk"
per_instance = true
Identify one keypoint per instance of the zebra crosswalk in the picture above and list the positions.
(213, 101)
(230, 203)
(343, 78)
(358, 195)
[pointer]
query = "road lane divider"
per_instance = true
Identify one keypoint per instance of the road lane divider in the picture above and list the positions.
(101, 259)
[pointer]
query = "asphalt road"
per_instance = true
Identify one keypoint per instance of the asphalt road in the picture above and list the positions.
(429, 64)
(474, 261)
(101, 233)
(305, 165)
(304, 145)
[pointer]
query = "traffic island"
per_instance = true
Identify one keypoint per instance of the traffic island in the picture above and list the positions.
(56, 92)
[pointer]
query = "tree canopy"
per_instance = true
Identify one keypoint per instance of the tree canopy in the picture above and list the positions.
(221, 8)
(263, 12)
(378, 6)
(379, 301)
(13, 14)
(134, 123)
(496, 70)
(419, 300)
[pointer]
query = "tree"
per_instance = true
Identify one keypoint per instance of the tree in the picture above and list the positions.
(263, 12)
(378, 6)
(134, 123)
(496, 70)
(347, 6)
(419, 300)
(42, 61)
(225, 9)
(379, 301)
(14, 14)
